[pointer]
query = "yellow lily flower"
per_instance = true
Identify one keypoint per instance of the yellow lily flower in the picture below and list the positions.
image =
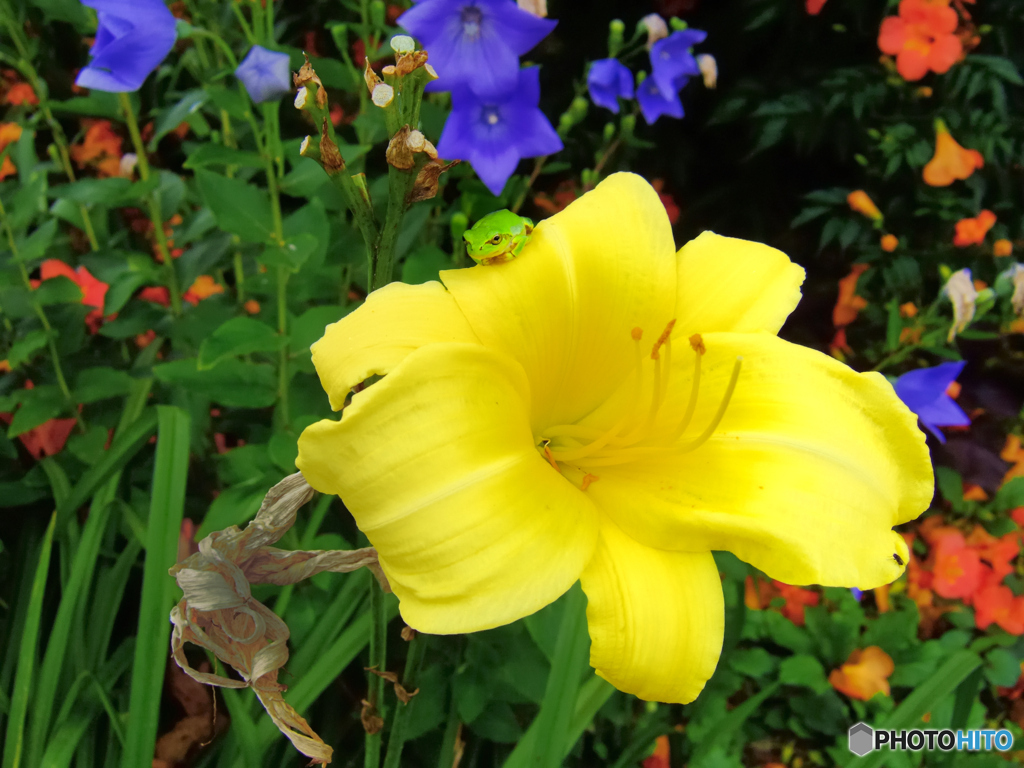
(603, 408)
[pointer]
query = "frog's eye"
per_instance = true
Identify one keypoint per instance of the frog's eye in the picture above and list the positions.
(495, 240)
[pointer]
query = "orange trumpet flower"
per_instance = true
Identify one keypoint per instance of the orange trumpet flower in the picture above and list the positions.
(859, 201)
(950, 161)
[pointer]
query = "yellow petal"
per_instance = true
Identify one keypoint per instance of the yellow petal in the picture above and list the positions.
(805, 477)
(375, 338)
(438, 466)
(565, 307)
(726, 284)
(656, 618)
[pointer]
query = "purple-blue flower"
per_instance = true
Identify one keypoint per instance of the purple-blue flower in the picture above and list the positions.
(924, 392)
(857, 593)
(608, 81)
(265, 74)
(672, 59)
(654, 102)
(475, 44)
(494, 134)
(134, 36)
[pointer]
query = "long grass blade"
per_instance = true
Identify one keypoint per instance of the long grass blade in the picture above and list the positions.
(563, 683)
(56, 648)
(125, 446)
(14, 743)
(921, 700)
(170, 475)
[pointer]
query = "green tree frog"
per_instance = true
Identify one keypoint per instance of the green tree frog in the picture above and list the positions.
(498, 237)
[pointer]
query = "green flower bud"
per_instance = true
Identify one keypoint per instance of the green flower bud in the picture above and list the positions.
(378, 13)
(609, 132)
(339, 33)
(677, 24)
(578, 108)
(616, 30)
(627, 125)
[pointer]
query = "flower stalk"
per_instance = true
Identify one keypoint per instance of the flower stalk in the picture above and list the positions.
(413, 661)
(152, 202)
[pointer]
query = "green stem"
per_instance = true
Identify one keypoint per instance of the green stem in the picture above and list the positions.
(152, 202)
(246, 29)
(378, 659)
(400, 184)
(225, 48)
(413, 661)
(538, 166)
(272, 163)
(270, 21)
(51, 344)
(446, 757)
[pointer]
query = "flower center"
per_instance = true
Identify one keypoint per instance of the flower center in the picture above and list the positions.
(640, 431)
(491, 115)
(471, 17)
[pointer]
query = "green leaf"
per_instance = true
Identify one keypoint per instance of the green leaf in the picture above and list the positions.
(171, 118)
(310, 327)
(38, 243)
(25, 348)
(722, 732)
(70, 11)
(238, 336)
(424, 264)
(101, 383)
(235, 505)
(240, 208)
(231, 383)
(217, 154)
(14, 743)
(38, 405)
(754, 662)
(96, 104)
(292, 254)
(130, 439)
(170, 475)
(1002, 667)
(58, 290)
(950, 486)
(284, 450)
(1010, 495)
(997, 65)
(805, 671)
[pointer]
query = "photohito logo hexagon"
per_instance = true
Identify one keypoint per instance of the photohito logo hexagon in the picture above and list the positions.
(861, 739)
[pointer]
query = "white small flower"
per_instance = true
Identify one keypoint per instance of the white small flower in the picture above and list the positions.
(656, 28)
(536, 7)
(962, 294)
(708, 69)
(128, 163)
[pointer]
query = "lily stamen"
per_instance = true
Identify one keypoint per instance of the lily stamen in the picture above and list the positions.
(720, 414)
(606, 437)
(611, 446)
